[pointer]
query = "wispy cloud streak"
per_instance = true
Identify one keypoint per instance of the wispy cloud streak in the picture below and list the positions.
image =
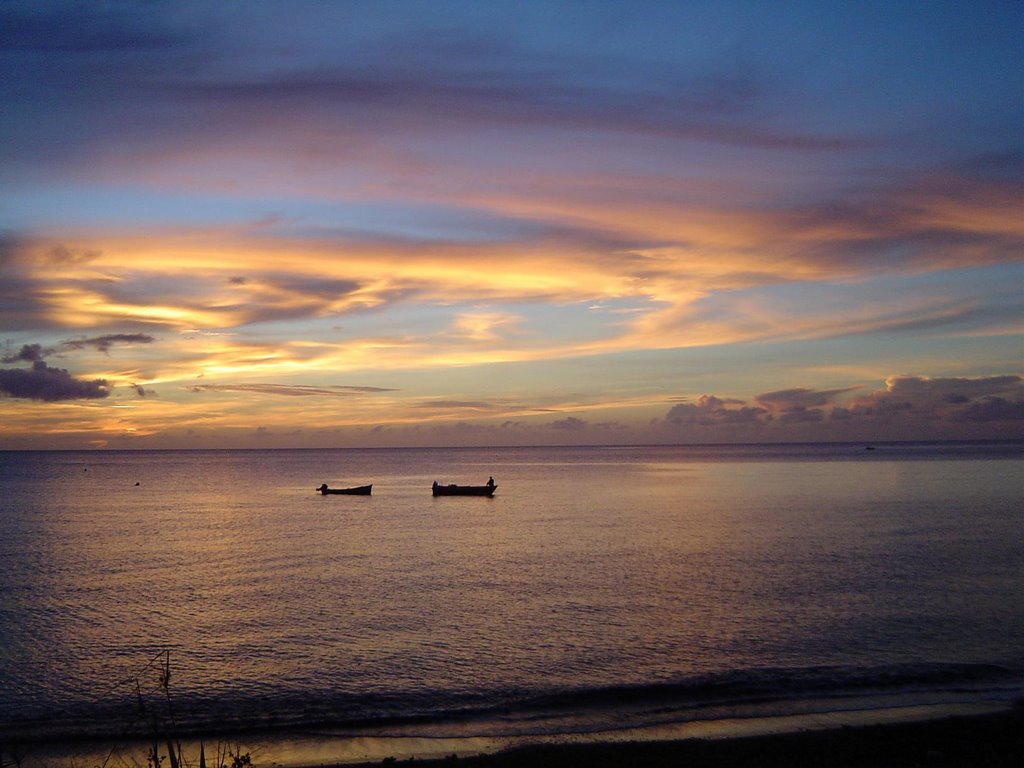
(291, 390)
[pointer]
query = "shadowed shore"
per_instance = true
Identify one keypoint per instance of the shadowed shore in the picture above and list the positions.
(993, 738)
(983, 741)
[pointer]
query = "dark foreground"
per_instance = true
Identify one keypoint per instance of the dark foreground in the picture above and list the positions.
(984, 741)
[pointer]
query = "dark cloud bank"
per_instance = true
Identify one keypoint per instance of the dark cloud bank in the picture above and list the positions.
(41, 382)
(51, 384)
(908, 408)
(906, 399)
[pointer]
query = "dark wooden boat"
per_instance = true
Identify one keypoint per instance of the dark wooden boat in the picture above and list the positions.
(464, 490)
(359, 490)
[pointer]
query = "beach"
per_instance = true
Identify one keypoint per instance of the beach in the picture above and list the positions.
(978, 736)
(981, 741)
(960, 734)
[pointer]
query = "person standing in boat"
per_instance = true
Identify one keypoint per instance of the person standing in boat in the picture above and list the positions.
(490, 482)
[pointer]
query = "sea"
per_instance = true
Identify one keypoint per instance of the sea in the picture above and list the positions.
(215, 594)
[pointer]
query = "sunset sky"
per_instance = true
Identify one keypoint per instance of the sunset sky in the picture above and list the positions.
(315, 224)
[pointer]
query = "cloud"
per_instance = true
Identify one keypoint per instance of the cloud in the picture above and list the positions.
(61, 255)
(22, 304)
(459, 187)
(799, 398)
(706, 107)
(474, 405)
(104, 343)
(72, 28)
(49, 384)
(932, 220)
(990, 409)
(711, 411)
(986, 399)
(910, 405)
(569, 424)
(271, 297)
(931, 390)
(188, 280)
(485, 327)
(28, 353)
(802, 416)
(799, 405)
(490, 77)
(690, 274)
(34, 352)
(290, 390)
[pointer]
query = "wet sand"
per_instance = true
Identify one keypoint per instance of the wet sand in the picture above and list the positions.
(991, 740)
(973, 735)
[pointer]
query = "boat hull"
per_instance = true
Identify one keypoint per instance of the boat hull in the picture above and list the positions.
(359, 490)
(464, 490)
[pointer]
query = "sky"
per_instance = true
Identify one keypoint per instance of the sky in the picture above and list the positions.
(345, 224)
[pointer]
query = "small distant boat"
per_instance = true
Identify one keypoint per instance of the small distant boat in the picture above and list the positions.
(464, 490)
(359, 490)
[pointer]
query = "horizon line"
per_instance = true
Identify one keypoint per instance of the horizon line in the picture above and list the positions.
(866, 443)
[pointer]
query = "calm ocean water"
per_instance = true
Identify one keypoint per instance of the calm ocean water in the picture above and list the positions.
(599, 587)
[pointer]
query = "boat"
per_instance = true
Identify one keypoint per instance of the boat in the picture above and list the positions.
(359, 490)
(464, 490)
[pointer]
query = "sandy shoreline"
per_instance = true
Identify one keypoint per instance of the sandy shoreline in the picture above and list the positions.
(921, 735)
(737, 742)
(992, 740)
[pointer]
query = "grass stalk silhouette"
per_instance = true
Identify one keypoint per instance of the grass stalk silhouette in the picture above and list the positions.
(163, 730)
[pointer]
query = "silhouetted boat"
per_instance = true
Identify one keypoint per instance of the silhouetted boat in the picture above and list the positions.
(359, 490)
(464, 490)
